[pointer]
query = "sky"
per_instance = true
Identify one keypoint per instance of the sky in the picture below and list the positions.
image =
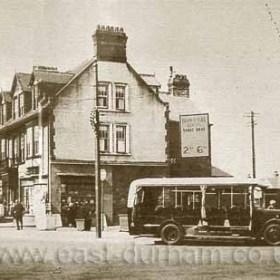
(228, 49)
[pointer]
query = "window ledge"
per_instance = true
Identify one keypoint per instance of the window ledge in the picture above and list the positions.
(114, 154)
(113, 111)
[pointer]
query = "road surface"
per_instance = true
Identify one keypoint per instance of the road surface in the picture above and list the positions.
(69, 254)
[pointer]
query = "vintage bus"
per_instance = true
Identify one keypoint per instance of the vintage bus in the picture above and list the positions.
(178, 208)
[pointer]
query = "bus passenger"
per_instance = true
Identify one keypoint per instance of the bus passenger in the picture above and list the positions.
(272, 204)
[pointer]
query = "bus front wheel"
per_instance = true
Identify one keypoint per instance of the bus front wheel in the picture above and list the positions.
(171, 234)
(271, 234)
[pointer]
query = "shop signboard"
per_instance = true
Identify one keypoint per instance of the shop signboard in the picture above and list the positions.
(195, 138)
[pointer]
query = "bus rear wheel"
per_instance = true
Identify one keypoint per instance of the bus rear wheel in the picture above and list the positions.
(171, 234)
(271, 234)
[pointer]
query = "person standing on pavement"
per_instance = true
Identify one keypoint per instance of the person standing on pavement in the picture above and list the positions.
(89, 215)
(71, 214)
(18, 212)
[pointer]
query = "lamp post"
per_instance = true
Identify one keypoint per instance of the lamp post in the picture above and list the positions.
(94, 120)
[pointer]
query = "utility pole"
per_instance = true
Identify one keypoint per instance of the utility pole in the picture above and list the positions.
(253, 144)
(252, 124)
(94, 120)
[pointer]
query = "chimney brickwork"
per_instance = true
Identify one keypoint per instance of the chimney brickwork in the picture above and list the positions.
(179, 85)
(110, 44)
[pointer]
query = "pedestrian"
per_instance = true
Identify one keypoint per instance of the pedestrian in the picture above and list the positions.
(18, 212)
(89, 215)
(2, 211)
(71, 214)
(64, 210)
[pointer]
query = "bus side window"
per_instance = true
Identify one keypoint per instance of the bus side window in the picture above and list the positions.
(258, 197)
(139, 198)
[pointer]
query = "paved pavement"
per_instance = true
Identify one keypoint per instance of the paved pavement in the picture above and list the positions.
(69, 234)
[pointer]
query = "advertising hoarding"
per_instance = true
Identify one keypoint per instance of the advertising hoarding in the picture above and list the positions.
(195, 135)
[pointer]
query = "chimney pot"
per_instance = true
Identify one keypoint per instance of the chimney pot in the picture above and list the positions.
(178, 85)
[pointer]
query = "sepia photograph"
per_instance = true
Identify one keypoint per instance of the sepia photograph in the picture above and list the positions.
(139, 139)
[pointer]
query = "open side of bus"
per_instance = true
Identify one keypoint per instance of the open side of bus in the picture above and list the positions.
(180, 208)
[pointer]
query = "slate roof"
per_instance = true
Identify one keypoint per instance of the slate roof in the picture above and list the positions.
(150, 79)
(6, 95)
(76, 73)
(54, 77)
(23, 80)
(217, 172)
(80, 67)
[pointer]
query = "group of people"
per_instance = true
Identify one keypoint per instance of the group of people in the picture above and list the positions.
(78, 210)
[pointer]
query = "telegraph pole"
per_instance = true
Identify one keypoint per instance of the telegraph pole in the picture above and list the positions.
(94, 120)
(253, 144)
(252, 116)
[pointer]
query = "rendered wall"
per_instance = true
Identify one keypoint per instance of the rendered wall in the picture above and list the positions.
(73, 135)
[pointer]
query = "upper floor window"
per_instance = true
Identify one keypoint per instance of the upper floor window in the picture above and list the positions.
(120, 138)
(22, 147)
(21, 105)
(35, 97)
(112, 96)
(4, 113)
(120, 97)
(3, 149)
(29, 144)
(15, 107)
(16, 150)
(36, 140)
(1, 115)
(10, 154)
(114, 138)
(104, 138)
(103, 95)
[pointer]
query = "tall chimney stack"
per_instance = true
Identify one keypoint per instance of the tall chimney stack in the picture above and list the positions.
(110, 43)
(178, 85)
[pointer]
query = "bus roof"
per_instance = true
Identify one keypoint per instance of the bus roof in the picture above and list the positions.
(190, 181)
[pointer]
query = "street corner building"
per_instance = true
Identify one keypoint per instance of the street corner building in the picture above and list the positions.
(48, 142)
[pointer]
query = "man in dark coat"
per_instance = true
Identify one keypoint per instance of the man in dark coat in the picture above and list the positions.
(18, 213)
(89, 214)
